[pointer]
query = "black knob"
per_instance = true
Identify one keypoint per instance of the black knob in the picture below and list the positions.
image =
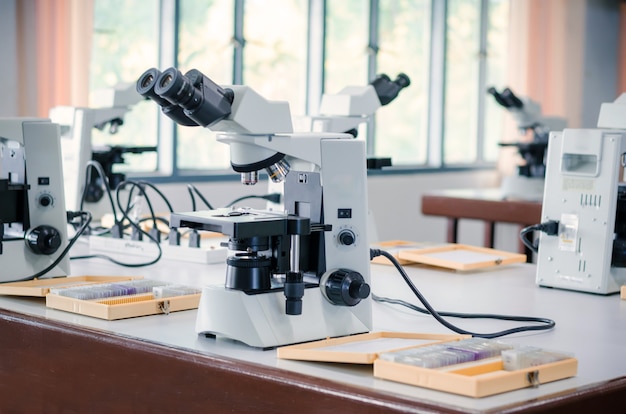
(347, 238)
(346, 287)
(45, 200)
(43, 240)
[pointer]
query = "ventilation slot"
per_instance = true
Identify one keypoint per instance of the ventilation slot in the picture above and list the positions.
(590, 200)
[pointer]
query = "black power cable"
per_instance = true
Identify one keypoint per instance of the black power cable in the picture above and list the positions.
(125, 216)
(194, 190)
(544, 323)
(551, 228)
(95, 165)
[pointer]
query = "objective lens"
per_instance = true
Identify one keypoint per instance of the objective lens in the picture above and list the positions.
(278, 171)
(249, 178)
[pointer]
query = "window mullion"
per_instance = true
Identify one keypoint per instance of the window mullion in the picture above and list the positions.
(167, 163)
(315, 55)
(239, 43)
(437, 83)
(482, 80)
(372, 68)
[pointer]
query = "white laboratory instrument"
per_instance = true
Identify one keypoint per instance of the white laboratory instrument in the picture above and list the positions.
(293, 276)
(584, 196)
(352, 106)
(77, 124)
(33, 223)
(528, 183)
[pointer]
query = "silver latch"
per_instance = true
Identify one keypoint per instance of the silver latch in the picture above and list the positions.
(533, 378)
(165, 306)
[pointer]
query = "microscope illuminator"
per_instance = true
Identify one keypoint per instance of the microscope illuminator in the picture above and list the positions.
(586, 195)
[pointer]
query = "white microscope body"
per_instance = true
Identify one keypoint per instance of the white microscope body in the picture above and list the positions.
(529, 182)
(352, 106)
(584, 196)
(33, 223)
(298, 275)
(77, 124)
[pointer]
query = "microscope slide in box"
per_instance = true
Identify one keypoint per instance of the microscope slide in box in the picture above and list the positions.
(108, 297)
(457, 364)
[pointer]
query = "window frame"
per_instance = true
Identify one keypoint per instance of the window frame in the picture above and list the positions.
(167, 168)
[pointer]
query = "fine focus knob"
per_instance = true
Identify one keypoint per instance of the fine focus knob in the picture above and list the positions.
(346, 287)
(346, 237)
(43, 240)
(45, 200)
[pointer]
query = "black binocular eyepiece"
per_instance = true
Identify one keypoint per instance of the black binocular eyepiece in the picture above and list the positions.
(146, 88)
(506, 98)
(191, 99)
(386, 89)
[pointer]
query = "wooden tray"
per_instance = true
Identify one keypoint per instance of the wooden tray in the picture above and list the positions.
(362, 348)
(122, 307)
(478, 379)
(462, 257)
(473, 379)
(119, 307)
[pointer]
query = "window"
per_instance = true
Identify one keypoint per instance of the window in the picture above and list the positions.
(294, 50)
(116, 59)
(205, 42)
(475, 46)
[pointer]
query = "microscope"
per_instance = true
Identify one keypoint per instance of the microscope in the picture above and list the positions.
(77, 124)
(345, 111)
(33, 229)
(583, 244)
(529, 181)
(293, 276)
(354, 105)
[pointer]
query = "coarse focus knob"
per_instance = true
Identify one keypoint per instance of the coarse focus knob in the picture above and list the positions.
(43, 240)
(346, 287)
(346, 237)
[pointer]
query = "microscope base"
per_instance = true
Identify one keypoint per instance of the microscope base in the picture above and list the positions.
(260, 320)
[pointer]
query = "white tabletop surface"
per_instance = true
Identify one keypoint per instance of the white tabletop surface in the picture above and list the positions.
(591, 327)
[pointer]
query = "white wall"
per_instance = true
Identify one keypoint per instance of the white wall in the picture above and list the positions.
(8, 51)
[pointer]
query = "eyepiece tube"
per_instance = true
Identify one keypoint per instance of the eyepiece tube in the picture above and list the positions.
(499, 99)
(387, 90)
(146, 87)
(510, 97)
(173, 86)
(202, 99)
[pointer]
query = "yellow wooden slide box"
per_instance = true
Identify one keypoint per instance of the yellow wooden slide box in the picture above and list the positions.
(461, 257)
(473, 379)
(112, 308)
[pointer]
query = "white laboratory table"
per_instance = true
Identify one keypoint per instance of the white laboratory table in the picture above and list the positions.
(54, 361)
